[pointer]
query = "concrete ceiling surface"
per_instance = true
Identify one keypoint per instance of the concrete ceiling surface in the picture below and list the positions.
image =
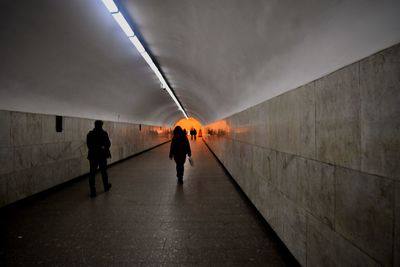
(220, 57)
(71, 58)
(224, 56)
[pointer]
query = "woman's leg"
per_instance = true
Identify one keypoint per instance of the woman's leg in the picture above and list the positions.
(179, 171)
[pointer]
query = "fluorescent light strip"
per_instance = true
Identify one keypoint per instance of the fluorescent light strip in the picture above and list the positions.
(135, 41)
(148, 59)
(119, 18)
(111, 6)
(123, 24)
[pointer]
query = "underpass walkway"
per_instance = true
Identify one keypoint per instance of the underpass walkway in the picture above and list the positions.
(146, 219)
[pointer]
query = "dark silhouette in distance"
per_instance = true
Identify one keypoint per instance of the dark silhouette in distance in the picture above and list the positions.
(194, 133)
(191, 132)
(99, 151)
(180, 147)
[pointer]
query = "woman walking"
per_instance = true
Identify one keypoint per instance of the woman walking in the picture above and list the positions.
(179, 149)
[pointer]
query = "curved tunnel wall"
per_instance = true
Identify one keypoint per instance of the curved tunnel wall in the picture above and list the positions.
(34, 157)
(321, 163)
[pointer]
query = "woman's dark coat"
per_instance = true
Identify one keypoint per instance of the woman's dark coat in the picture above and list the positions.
(180, 148)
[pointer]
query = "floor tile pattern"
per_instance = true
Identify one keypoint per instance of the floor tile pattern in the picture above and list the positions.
(146, 219)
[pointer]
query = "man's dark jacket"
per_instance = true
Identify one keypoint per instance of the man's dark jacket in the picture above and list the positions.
(180, 148)
(99, 144)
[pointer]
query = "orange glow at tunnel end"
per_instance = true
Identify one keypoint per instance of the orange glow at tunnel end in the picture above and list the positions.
(189, 124)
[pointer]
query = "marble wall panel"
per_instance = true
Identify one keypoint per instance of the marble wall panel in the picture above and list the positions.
(380, 113)
(273, 207)
(41, 179)
(84, 150)
(246, 155)
(84, 126)
(305, 110)
(85, 166)
(259, 196)
(260, 125)
(252, 183)
(253, 123)
(24, 184)
(325, 141)
(49, 133)
(78, 149)
(65, 150)
(295, 229)
(337, 117)
(5, 129)
(53, 152)
(12, 188)
(39, 155)
(270, 167)
(26, 128)
(71, 130)
(228, 154)
(288, 125)
(316, 189)
(22, 158)
(235, 162)
(6, 160)
(286, 172)
(59, 172)
(272, 119)
(327, 248)
(74, 167)
(278, 120)
(364, 212)
(259, 166)
(33, 128)
(263, 201)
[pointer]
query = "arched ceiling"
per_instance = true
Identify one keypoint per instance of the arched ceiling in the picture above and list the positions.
(220, 57)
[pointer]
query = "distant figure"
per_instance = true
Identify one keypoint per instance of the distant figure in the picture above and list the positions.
(180, 147)
(191, 132)
(184, 132)
(99, 151)
(200, 133)
(194, 133)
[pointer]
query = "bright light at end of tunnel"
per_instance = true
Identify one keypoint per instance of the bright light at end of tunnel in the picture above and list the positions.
(111, 6)
(123, 24)
(189, 123)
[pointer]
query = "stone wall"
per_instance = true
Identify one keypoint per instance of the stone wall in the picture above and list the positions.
(322, 163)
(34, 157)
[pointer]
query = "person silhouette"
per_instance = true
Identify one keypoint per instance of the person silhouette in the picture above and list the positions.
(191, 132)
(180, 147)
(98, 144)
(194, 133)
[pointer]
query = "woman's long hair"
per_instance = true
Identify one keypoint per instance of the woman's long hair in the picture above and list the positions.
(178, 132)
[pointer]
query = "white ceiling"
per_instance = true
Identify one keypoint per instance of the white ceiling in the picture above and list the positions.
(220, 57)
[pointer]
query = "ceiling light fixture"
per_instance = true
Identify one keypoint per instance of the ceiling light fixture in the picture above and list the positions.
(111, 6)
(135, 41)
(124, 24)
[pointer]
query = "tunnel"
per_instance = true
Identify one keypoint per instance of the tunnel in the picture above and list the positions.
(295, 160)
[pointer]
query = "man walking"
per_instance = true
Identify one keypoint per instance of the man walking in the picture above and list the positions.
(98, 144)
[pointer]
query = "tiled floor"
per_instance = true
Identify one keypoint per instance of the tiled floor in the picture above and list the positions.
(147, 219)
